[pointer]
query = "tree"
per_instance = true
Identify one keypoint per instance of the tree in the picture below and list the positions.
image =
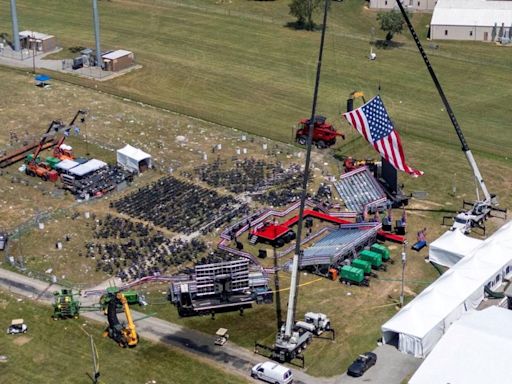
(303, 10)
(391, 22)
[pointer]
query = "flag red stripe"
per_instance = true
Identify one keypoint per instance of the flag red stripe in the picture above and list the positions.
(364, 128)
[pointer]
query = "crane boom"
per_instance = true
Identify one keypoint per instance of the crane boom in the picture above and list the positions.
(453, 119)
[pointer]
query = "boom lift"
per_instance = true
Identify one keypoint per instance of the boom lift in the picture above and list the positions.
(124, 335)
(481, 209)
(294, 336)
(61, 151)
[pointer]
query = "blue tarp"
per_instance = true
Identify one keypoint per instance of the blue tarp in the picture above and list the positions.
(42, 78)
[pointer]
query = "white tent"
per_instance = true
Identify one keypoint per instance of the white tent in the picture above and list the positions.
(475, 350)
(452, 246)
(133, 159)
(421, 323)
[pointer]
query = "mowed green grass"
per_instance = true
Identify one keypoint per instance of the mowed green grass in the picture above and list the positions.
(237, 64)
(59, 351)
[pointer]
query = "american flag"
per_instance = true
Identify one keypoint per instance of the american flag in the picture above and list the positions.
(372, 121)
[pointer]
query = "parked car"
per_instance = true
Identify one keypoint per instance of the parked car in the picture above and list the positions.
(17, 326)
(272, 372)
(362, 364)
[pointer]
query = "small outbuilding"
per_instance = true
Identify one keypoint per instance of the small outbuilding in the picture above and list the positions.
(41, 42)
(115, 61)
(133, 159)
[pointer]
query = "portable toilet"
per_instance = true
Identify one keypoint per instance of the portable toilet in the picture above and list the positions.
(382, 249)
(374, 258)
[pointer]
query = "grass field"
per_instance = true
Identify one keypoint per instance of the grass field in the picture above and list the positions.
(239, 65)
(59, 351)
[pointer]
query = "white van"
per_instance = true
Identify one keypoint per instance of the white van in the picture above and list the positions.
(272, 373)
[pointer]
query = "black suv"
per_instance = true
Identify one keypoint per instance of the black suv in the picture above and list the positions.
(362, 364)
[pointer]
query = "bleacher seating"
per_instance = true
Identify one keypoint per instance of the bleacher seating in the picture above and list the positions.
(359, 188)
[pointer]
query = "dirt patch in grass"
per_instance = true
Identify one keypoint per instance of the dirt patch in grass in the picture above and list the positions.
(21, 340)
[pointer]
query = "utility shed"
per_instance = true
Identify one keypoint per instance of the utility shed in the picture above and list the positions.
(118, 60)
(478, 20)
(41, 42)
(133, 159)
(475, 350)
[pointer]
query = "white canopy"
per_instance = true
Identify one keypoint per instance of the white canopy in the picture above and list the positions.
(88, 167)
(130, 157)
(66, 165)
(422, 322)
(452, 246)
(475, 350)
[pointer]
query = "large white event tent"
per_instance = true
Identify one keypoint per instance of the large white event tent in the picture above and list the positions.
(421, 323)
(475, 350)
(452, 246)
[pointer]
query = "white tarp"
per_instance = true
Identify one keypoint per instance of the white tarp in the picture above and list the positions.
(475, 350)
(422, 322)
(88, 167)
(452, 246)
(66, 165)
(130, 157)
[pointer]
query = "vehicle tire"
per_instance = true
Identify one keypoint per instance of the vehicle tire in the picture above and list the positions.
(254, 376)
(302, 140)
(44, 178)
(320, 144)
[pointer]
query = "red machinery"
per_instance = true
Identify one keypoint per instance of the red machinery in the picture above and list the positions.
(61, 151)
(41, 169)
(324, 134)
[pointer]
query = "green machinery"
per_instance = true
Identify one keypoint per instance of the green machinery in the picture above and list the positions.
(374, 258)
(351, 275)
(366, 266)
(382, 250)
(131, 296)
(65, 306)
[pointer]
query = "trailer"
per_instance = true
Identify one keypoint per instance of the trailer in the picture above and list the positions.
(352, 275)
(374, 258)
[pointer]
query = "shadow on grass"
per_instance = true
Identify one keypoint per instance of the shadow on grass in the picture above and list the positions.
(303, 27)
(387, 44)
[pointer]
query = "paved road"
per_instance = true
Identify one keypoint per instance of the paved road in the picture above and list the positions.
(392, 366)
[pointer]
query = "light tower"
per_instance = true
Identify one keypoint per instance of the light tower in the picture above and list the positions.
(96, 19)
(15, 29)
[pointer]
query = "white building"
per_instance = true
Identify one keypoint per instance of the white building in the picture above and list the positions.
(480, 20)
(416, 5)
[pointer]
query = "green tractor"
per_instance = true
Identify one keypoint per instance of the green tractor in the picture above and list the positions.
(65, 306)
